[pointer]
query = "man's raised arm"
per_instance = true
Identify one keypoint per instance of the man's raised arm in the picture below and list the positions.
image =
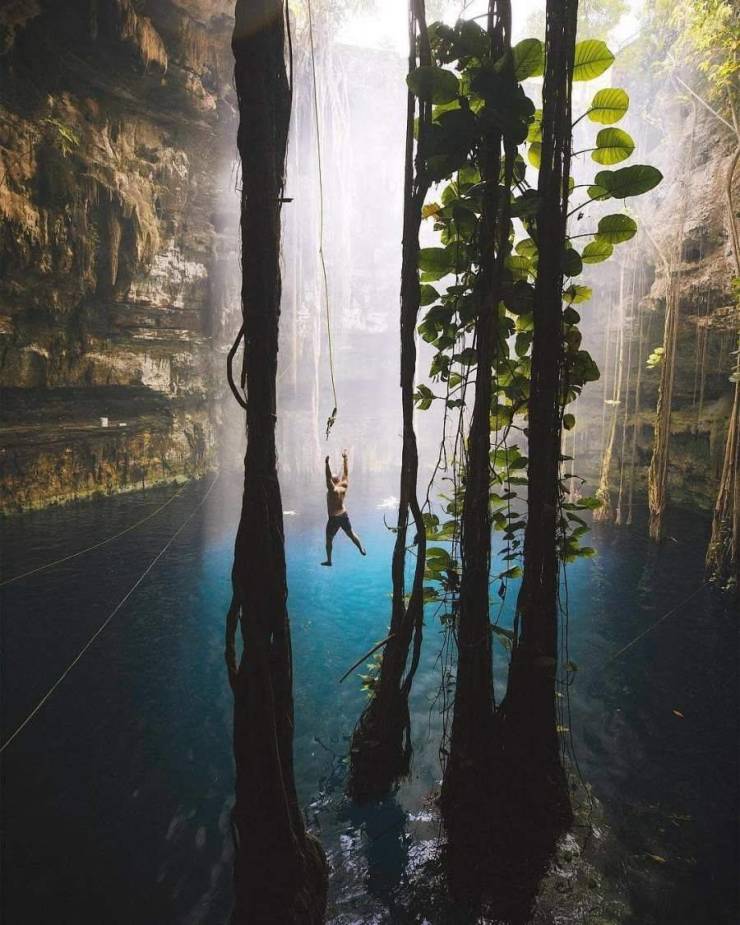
(345, 469)
(329, 483)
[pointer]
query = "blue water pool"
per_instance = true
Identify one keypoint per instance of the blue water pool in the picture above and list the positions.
(117, 792)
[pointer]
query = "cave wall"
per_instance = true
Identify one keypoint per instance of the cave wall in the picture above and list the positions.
(117, 122)
(684, 230)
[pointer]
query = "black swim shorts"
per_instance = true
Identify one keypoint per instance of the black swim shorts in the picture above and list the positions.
(338, 522)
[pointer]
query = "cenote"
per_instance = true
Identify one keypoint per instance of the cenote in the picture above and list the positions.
(369, 462)
(117, 796)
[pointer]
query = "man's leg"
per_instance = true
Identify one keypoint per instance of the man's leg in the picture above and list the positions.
(329, 540)
(347, 527)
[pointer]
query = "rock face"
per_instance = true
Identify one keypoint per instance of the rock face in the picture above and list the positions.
(116, 140)
(684, 236)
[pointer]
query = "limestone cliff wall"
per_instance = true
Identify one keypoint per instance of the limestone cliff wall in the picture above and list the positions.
(116, 127)
(685, 235)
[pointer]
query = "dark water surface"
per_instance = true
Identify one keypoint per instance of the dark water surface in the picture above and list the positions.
(116, 794)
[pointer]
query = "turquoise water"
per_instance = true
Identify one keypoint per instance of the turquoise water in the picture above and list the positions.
(117, 793)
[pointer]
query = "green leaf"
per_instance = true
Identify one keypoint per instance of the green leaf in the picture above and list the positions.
(592, 59)
(629, 181)
(522, 343)
(575, 294)
(612, 146)
(609, 106)
(428, 294)
(534, 154)
(472, 40)
(571, 263)
(433, 84)
(439, 556)
(526, 247)
(614, 229)
(569, 421)
(598, 192)
(518, 265)
(529, 59)
(535, 127)
(435, 262)
(424, 397)
(597, 251)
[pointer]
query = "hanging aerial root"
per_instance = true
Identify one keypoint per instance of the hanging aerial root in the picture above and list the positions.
(230, 369)
(232, 621)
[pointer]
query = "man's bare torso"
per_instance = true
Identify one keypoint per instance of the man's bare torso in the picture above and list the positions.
(335, 499)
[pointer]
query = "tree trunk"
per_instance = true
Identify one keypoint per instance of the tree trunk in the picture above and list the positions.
(279, 870)
(381, 748)
(465, 788)
(536, 796)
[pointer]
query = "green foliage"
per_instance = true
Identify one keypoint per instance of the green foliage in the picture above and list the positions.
(433, 84)
(489, 99)
(63, 137)
(591, 60)
(612, 146)
(656, 358)
(529, 59)
(608, 106)
(614, 229)
(597, 251)
(705, 35)
(627, 181)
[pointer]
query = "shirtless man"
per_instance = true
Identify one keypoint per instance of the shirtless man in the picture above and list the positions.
(336, 489)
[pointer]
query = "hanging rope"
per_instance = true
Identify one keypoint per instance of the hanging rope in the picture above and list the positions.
(74, 555)
(333, 416)
(47, 696)
(653, 626)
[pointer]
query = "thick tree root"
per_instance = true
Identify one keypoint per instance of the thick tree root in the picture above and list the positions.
(380, 753)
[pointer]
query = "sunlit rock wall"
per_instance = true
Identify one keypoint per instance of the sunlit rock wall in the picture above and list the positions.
(117, 124)
(684, 230)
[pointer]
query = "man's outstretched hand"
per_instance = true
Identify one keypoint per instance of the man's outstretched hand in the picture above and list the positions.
(327, 459)
(344, 454)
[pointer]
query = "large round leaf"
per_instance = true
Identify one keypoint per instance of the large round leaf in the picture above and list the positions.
(598, 192)
(612, 146)
(427, 294)
(529, 59)
(629, 181)
(433, 84)
(534, 154)
(518, 265)
(613, 229)
(608, 106)
(526, 247)
(592, 58)
(597, 251)
(435, 262)
(571, 262)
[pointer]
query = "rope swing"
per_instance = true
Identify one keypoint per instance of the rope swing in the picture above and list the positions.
(48, 695)
(333, 416)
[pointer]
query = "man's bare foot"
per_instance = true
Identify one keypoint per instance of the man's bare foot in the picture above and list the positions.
(326, 563)
(363, 551)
